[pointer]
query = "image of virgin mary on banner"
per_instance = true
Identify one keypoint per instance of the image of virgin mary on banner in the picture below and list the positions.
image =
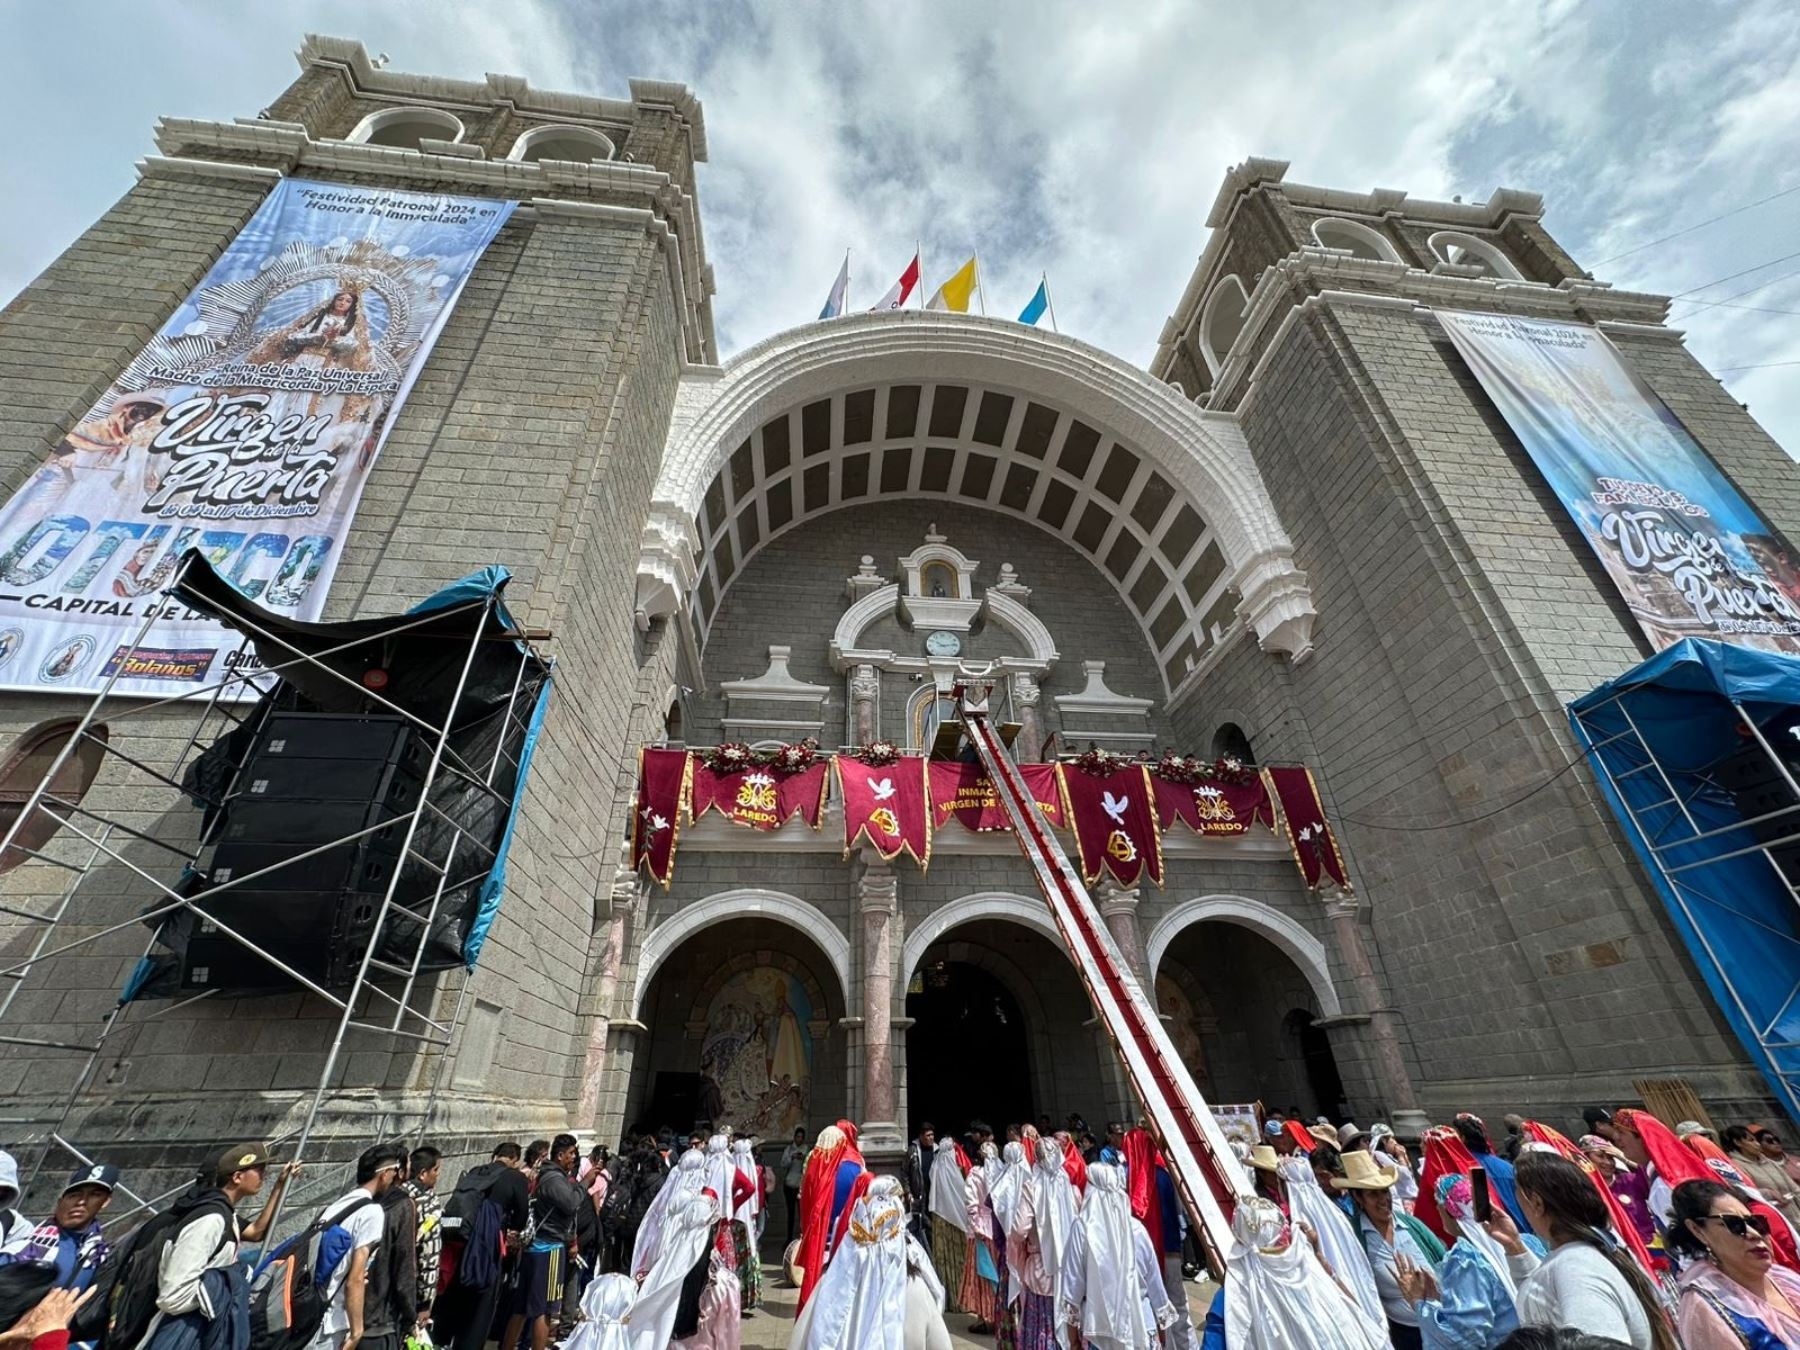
(246, 429)
(1690, 556)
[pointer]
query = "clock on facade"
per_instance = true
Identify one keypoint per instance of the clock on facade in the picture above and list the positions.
(942, 643)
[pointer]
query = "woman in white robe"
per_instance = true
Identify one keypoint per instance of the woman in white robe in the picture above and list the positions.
(743, 1223)
(1278, 1294)
(1112, 1287)
(879, 1292)
(685, 1179)
(949, 1218)
(688, 1238)
(603, 1307)
(1338, 1242)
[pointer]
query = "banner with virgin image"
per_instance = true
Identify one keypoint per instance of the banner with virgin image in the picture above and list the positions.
(1114, 822)
(246, 429)
(1690, 556)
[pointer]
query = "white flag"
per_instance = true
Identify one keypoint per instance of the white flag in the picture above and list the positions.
(840, 292)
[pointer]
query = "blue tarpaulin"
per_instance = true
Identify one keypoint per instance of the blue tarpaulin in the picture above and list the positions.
(1668, 744)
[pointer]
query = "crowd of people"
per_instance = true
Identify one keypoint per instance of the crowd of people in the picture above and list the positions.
(1635, 1234)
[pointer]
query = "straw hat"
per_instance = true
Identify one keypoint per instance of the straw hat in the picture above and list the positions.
(1326, 1131)
(1363, 1173)
(1264, 1158)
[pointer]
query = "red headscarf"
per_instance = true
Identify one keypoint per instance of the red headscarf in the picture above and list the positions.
(1718, 1161)
(1074, 1164)
(963, 1164)
(1300, 1135)
(1028, 1136)
(1445, 1155)
(1141, 1162)
(1621, 1221)
(818, 1188)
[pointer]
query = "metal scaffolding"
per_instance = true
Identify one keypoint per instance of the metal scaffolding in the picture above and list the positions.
(394, 997)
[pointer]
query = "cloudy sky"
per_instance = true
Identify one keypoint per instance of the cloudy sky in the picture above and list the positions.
(1082, 139)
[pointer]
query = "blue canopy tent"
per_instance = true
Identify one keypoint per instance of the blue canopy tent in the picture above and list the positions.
(1698, 752)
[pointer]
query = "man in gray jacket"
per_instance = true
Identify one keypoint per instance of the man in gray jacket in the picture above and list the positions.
(555, 1199)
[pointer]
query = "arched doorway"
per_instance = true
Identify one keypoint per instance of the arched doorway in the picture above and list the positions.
(1253, 1014)
(741, 1029)
(1003, 1030)
(962, 1013)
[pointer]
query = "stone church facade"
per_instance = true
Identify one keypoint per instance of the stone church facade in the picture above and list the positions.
(1304, 534)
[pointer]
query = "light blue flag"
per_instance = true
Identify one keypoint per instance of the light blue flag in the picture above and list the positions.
(1040, 301)
(840, 292)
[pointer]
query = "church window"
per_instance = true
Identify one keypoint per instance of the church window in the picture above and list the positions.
(1355, 238)
(927, 714)
(1465, 250)
(577, 144)
(1230, 740)
(1221, 320)
(404, 128)
(25, 768)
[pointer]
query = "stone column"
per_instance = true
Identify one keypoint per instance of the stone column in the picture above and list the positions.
(1119, 906)
(877, 892)
(1030, 742)
(625, 893)
(1389, 1060)
(865, 689)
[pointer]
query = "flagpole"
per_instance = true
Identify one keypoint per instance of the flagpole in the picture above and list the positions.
(919, 253)
(1049, 304)
(980, 294)
(847, 281)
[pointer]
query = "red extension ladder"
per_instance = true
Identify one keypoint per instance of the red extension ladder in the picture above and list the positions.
(1193, 1146)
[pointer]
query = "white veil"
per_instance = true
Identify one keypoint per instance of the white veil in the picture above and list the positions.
(684, 1179)
(1342, 1249)
(861, 1298)
(721, 1168)
(1054, 1210)
(1100, 1283)
(651, 1320)
(603, 1304)
(949, 1195)
(743, 1157)
(1279, 1299)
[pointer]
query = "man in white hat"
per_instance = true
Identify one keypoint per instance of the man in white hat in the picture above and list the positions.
(1388, 1233)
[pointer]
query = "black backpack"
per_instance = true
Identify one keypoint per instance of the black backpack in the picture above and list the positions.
(125, 1286)
(466, 1201)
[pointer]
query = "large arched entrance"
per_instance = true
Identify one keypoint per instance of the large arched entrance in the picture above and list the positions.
(1003, 1030)
(1244, 1014)
(741, 1021)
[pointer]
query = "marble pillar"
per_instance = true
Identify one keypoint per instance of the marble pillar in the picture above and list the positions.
(1028, 746)
(1389, 1060)
(883, 1139)
(1119, 908)
(626, 890)
(865, 691)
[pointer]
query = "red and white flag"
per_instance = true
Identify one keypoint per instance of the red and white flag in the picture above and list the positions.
(901, 290)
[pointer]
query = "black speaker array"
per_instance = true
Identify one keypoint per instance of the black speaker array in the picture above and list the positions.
(310, 780)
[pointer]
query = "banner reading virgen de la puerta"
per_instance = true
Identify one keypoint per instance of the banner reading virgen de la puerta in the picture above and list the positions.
(1690, 556)
(246, 429)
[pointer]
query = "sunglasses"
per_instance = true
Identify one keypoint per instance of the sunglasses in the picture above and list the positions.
(1739, 1225)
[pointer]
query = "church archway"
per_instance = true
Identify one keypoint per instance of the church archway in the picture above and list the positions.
(1254, 1014)
(1165, 499)
(970, 981)
(741, 1028)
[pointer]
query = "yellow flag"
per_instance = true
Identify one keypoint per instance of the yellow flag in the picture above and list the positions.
(954, 293)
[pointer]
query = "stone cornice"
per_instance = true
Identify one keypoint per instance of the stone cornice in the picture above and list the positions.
(658, 205)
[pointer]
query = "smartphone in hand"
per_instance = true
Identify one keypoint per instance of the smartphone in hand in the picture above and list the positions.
(1483, 1200)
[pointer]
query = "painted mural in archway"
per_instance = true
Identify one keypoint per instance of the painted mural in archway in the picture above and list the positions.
(756, 1054)
(1184, 1025)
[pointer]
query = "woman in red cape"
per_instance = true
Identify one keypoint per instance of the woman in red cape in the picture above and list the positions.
(1445, 1155)
(1675, 1163)
(1141, 1162)
(819, 1198)
(1621, 1221)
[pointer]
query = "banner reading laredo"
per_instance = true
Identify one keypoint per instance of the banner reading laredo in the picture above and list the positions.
(246, 429)
(1691, 557)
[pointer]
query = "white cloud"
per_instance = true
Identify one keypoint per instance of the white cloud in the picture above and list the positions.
(1083, 140)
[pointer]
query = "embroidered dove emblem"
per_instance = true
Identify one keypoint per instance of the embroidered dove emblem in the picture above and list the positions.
(1115, 807)
(883, 789)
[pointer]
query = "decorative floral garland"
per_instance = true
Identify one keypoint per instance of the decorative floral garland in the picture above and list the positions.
(1191, 770)
(876, 754)
(732, 756)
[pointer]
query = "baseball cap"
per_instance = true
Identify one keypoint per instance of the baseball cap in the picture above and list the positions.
(1596, 1116)
(95, 1174)
(240, 1156)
